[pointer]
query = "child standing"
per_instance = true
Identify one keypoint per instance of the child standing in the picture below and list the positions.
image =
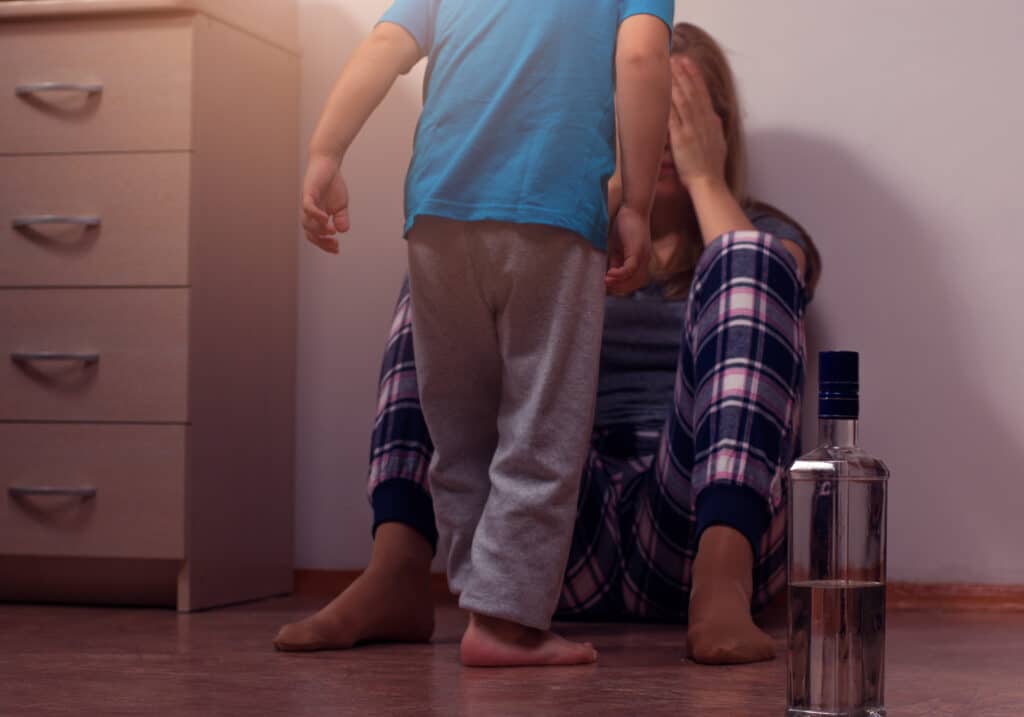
(507, 227)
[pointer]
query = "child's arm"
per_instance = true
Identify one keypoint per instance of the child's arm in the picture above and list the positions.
(389, 51)
(643, 81)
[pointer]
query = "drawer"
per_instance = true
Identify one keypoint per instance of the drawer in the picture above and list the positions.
(92, 491)
(94, 355)
(119, 220)
(136, 78)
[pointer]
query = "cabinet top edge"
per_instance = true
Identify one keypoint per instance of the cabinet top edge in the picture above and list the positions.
(274, 21)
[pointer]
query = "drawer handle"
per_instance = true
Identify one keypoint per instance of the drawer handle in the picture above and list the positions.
(23, 222)
(23, 492)
(22, 357)
(89, 88)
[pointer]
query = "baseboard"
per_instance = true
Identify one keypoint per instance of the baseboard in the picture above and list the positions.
(900, 596)
(954, 596)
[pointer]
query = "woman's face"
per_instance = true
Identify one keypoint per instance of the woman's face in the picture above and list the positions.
(669, 188)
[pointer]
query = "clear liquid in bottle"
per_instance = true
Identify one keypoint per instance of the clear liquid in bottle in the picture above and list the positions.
(837, 649)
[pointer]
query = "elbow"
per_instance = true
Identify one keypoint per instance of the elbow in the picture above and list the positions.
(644, 69)
(650, 61)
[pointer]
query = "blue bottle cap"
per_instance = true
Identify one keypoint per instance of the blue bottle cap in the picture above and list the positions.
(839, 384)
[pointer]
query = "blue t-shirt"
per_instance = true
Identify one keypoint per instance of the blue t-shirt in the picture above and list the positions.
(518, 119)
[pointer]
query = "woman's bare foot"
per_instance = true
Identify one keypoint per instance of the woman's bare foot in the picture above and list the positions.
(377, 607)
(390, 602)
(490, 642)
(722, 631)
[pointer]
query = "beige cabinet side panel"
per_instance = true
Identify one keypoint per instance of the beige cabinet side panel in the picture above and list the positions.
(242, 323)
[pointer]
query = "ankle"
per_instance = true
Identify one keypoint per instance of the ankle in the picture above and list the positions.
(407, 572)
(400, 551)
(723, 551)
(722, 571)
(503, 629)
(724, 545)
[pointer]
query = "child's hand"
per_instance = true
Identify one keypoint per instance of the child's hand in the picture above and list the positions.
(629, 252)
(324, 203)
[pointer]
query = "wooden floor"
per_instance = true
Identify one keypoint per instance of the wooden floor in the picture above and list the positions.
(78, 661)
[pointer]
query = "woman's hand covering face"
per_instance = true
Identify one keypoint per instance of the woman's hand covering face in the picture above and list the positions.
(695, 130)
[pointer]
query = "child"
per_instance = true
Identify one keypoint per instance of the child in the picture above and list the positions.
(507, 227)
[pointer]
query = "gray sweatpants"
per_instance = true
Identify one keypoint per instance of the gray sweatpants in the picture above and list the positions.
(507, 322)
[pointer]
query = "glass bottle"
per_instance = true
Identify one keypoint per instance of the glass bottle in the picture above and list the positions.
(836, 524)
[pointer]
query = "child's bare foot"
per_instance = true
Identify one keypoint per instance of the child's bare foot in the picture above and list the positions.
(490, 642)
(722, 631)
(390, 602)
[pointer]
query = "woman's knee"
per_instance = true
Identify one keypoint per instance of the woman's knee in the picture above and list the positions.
(750, 260)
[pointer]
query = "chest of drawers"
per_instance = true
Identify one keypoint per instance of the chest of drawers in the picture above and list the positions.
(148, 213)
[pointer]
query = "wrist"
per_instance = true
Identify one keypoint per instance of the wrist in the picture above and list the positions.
(319, 151)
(632, 206)
(706, 184)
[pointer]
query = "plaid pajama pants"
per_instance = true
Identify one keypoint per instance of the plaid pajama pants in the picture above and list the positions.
(646, 495)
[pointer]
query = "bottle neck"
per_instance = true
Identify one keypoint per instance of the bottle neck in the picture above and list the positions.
(837, 432)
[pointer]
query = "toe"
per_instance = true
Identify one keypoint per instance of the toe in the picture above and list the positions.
(285, 635)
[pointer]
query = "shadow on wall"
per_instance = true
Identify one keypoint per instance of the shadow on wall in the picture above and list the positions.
(346, 301)
(885, 293)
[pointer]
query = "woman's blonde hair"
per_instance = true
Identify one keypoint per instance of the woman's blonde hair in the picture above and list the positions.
(699, 46)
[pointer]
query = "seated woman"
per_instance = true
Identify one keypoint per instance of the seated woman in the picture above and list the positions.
(682, 506)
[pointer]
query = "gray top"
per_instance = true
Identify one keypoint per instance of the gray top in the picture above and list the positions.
(640, 348)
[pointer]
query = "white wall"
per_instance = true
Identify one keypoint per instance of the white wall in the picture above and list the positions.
(892, 130)
(345, 302)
